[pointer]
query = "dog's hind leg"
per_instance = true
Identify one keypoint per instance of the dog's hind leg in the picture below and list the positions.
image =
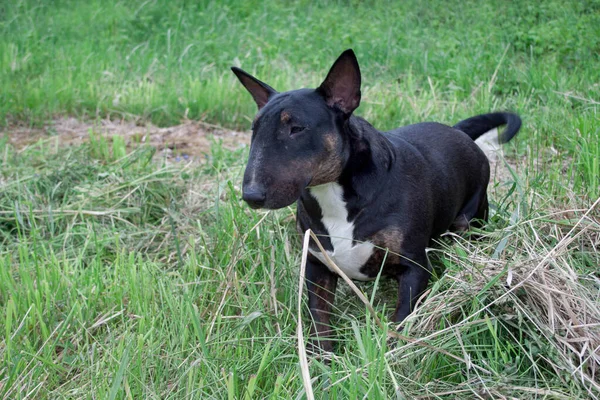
(412, 281)
(482, 213)
(472, 214)
(321, 284)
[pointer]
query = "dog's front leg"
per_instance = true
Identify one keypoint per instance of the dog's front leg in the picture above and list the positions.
(321, 284)
(413, 275)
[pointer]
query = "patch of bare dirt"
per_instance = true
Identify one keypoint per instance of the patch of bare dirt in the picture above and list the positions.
(189, 139)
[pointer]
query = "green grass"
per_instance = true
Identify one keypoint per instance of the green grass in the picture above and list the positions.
(128, 276)
(163, 60)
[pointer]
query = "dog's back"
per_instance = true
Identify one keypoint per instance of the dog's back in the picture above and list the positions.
(443, 163)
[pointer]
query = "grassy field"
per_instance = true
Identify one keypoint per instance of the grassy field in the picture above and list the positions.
(126, 275)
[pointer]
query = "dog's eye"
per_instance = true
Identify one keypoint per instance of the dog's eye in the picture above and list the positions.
(296, 129)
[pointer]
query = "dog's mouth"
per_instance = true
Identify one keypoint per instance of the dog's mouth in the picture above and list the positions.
(278, 196)
(271, 203)
(255, 206)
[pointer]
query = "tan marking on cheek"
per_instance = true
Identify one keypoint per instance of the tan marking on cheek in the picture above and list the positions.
(331, 141)
(329, 168)
(285, 117)
(327, 171)
(290, 177)
(324, 169)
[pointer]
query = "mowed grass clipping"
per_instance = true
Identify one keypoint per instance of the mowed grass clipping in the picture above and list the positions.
(127, 276)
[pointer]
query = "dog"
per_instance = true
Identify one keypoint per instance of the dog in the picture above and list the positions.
(375, 199)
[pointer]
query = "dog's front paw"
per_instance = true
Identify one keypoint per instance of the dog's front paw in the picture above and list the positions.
(320, 349)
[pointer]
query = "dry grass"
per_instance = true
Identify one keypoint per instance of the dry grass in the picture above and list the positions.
(531, 288)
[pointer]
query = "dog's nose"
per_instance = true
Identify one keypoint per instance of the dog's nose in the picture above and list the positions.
(254, 196)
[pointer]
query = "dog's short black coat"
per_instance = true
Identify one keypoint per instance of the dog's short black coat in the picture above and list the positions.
(396, 190)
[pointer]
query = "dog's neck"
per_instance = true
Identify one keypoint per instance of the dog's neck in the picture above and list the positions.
(367, 158)
(369, 151)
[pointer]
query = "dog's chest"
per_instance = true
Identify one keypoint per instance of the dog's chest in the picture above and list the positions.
(347, 255)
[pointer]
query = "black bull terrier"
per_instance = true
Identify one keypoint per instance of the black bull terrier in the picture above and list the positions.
(361, 190)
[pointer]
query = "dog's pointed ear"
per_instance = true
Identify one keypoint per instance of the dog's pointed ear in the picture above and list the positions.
(341, 88)
(260, 91)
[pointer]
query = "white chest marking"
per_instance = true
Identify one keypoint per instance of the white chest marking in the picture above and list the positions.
(348, 256)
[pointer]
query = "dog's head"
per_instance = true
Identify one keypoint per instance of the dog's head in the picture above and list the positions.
(297, 136)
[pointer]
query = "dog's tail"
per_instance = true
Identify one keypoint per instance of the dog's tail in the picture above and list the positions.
(477, 126)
